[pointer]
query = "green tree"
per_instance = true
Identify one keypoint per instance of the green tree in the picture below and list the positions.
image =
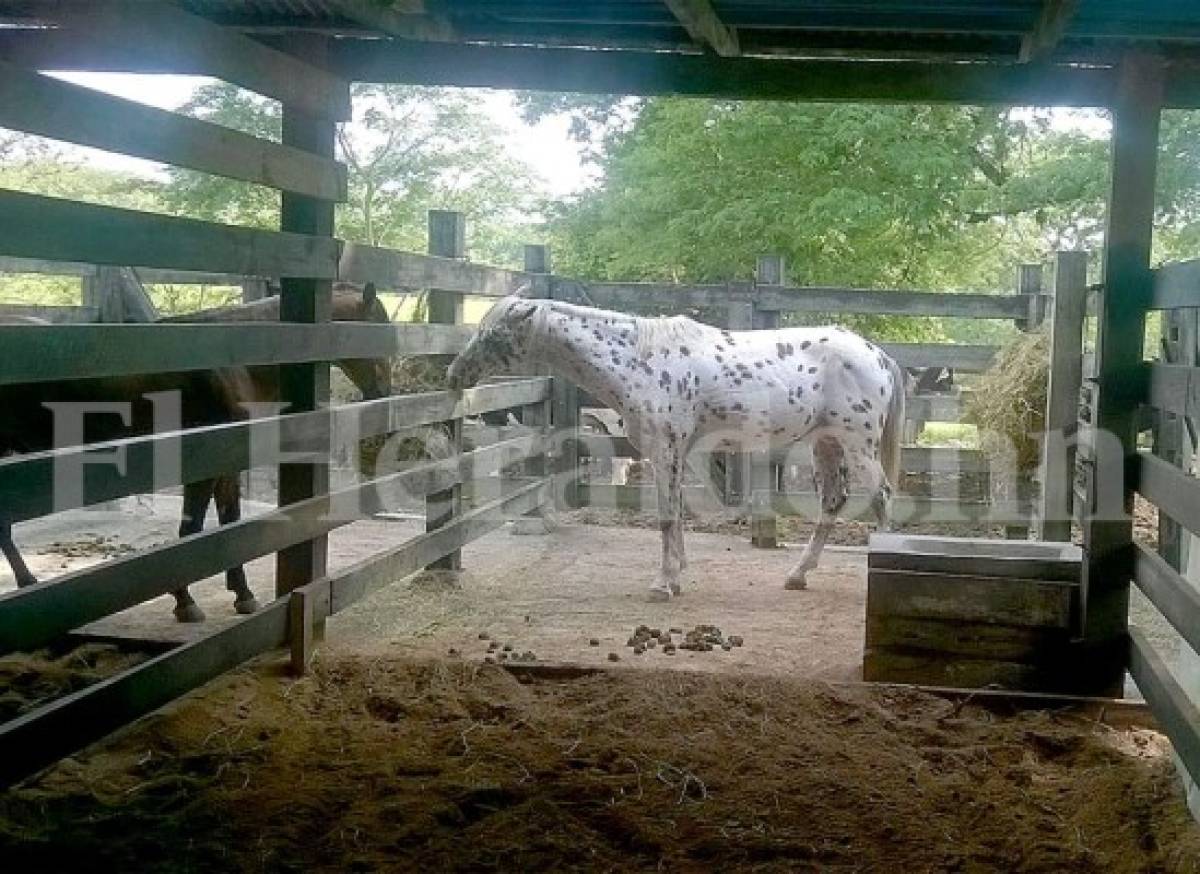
(407, 150)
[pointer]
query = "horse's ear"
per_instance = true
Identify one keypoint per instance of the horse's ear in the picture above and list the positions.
(369, 293)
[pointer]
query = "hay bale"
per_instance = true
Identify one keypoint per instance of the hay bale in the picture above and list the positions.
(1009, 402)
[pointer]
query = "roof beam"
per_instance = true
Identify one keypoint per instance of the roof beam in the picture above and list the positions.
(702, 24)
(658, 73)
(405, 21)
(160, 37)
(1048, 30)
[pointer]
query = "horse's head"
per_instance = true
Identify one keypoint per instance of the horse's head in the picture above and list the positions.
(373, 376)
(501, 341)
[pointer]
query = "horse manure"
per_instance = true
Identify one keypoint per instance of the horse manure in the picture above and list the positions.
(489, 660)
(595, 641)
(613, 657)
(664, 638)
(452, 651)
(669, 649)
(508, 647)
(639, 649)
(735, 639)
(676, 630)
(483, 635)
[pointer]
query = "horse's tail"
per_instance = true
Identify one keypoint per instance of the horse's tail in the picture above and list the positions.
(893, 427)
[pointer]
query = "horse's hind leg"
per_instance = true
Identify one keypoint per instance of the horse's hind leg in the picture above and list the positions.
(667, 483)
(829, 476)
(878, 487)
(15, 560)
(228, 495)
(195, 507)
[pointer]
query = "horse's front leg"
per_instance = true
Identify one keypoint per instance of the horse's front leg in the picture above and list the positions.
(15, 560)
(830, 478)
(196, 497)
(668, 488)
(228, 495)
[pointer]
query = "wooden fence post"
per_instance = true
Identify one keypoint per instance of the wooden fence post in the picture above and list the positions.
(565, 418)
(739, 316)
(1121, 315)
(765, 477)
(1029, 285)
(1062, 396)
(447, 239)
(1173, 440)
(538, 416)
(305, 387)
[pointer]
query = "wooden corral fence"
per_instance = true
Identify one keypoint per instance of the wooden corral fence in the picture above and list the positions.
(762, 304)
(57, 235)
(1168, 392)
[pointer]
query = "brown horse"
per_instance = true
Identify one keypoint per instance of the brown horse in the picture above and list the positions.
(207, 398)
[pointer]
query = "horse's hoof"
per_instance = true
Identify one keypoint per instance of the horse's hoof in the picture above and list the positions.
(189, 613)
(795, 583)
(246, 605)
(657, 596)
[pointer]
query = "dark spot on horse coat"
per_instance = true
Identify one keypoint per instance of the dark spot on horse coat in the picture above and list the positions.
(806, 344)
(685, 351)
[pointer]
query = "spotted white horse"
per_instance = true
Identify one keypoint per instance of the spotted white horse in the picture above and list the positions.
(681, 386)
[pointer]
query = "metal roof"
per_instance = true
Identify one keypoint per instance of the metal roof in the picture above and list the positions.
(995, 30)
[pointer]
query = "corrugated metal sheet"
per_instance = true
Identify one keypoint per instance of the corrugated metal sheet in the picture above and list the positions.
(983, 27)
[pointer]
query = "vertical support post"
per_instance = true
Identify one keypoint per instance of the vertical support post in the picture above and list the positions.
(1172, 440)
(1128, 282)
(447, 239)
(253, 289)
(305, 387)
(1069, 311)
(564, 405)
(1029, 286)
(536, 416)
(739, 316)
(764, 476)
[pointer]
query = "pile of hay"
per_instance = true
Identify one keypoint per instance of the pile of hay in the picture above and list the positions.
(1009, 401)
(376, 764)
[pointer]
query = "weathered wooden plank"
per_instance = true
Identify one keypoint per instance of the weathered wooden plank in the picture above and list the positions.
(957, 637)
(32, 226)
(42, 736)
(1170, 489)
(1176, 285)
(914, 459)
(936, 408)
(360, 580)
(631, 296)
(648, 73)
(1173, 707)
(127, 35)
(1176, 598)
(55, 315)
(969, 598)
(1050, 27)
(885, 665)
(388, 268)
(975, 556)
(38, 104)
(305, 386)
(38, 614)
(27, 481)
(969, 358)
(1120, 335)
(906, 509)
(703, 25)
(1062, 395)
(1174, 388)
(41, 353)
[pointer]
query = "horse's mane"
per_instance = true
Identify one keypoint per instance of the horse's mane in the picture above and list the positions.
(666, 332)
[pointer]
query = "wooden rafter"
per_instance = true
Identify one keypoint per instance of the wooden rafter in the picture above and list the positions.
(1048, 30)
(704, 26)
(403, 20)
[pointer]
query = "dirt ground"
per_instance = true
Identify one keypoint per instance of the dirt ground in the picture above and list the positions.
(403, 750)
(385, 763)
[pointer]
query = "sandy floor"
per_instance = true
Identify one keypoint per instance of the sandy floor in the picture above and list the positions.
(549, 594)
